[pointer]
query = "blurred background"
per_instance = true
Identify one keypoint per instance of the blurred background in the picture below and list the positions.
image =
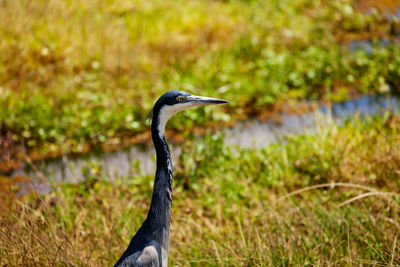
(313, 109)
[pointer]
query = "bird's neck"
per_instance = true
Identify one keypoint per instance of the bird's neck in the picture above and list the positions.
(164, 175)
(159, 215)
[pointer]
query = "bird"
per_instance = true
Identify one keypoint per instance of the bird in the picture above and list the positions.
(150, 245)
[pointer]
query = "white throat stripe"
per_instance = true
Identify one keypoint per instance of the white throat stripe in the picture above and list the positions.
(167, 112)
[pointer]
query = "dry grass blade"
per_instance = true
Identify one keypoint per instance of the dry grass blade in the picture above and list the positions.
(384, 194)
(331, 185)
(348, 242)
(393, 250)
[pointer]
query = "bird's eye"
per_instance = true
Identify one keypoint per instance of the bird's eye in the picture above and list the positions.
(180, 98)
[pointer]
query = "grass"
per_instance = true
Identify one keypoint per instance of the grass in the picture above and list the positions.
(231, 206)
(77, 75)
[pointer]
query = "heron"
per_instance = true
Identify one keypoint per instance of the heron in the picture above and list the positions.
(150, 245)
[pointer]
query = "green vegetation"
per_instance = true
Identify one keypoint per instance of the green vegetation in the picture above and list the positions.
(230, 207)
(81, 74)
(78, 75)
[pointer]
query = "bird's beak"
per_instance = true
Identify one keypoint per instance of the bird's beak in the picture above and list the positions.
(202, 100)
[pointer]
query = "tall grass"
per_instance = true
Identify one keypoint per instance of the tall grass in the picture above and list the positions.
(231, 206)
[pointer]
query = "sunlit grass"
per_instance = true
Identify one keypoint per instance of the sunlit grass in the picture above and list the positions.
(229, 206)
(77, 74)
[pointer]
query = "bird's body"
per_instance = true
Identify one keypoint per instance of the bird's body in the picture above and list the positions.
(150, 245)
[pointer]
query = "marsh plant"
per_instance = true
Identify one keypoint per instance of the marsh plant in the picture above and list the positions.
(232, 206)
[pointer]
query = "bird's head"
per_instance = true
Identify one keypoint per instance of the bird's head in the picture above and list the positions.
(174, 101)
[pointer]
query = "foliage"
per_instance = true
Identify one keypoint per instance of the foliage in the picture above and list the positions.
(74, 74)
(229, 206)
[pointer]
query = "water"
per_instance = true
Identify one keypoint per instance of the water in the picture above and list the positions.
(252, 133)
(366, 45)
(257, 134)
(365, 105)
